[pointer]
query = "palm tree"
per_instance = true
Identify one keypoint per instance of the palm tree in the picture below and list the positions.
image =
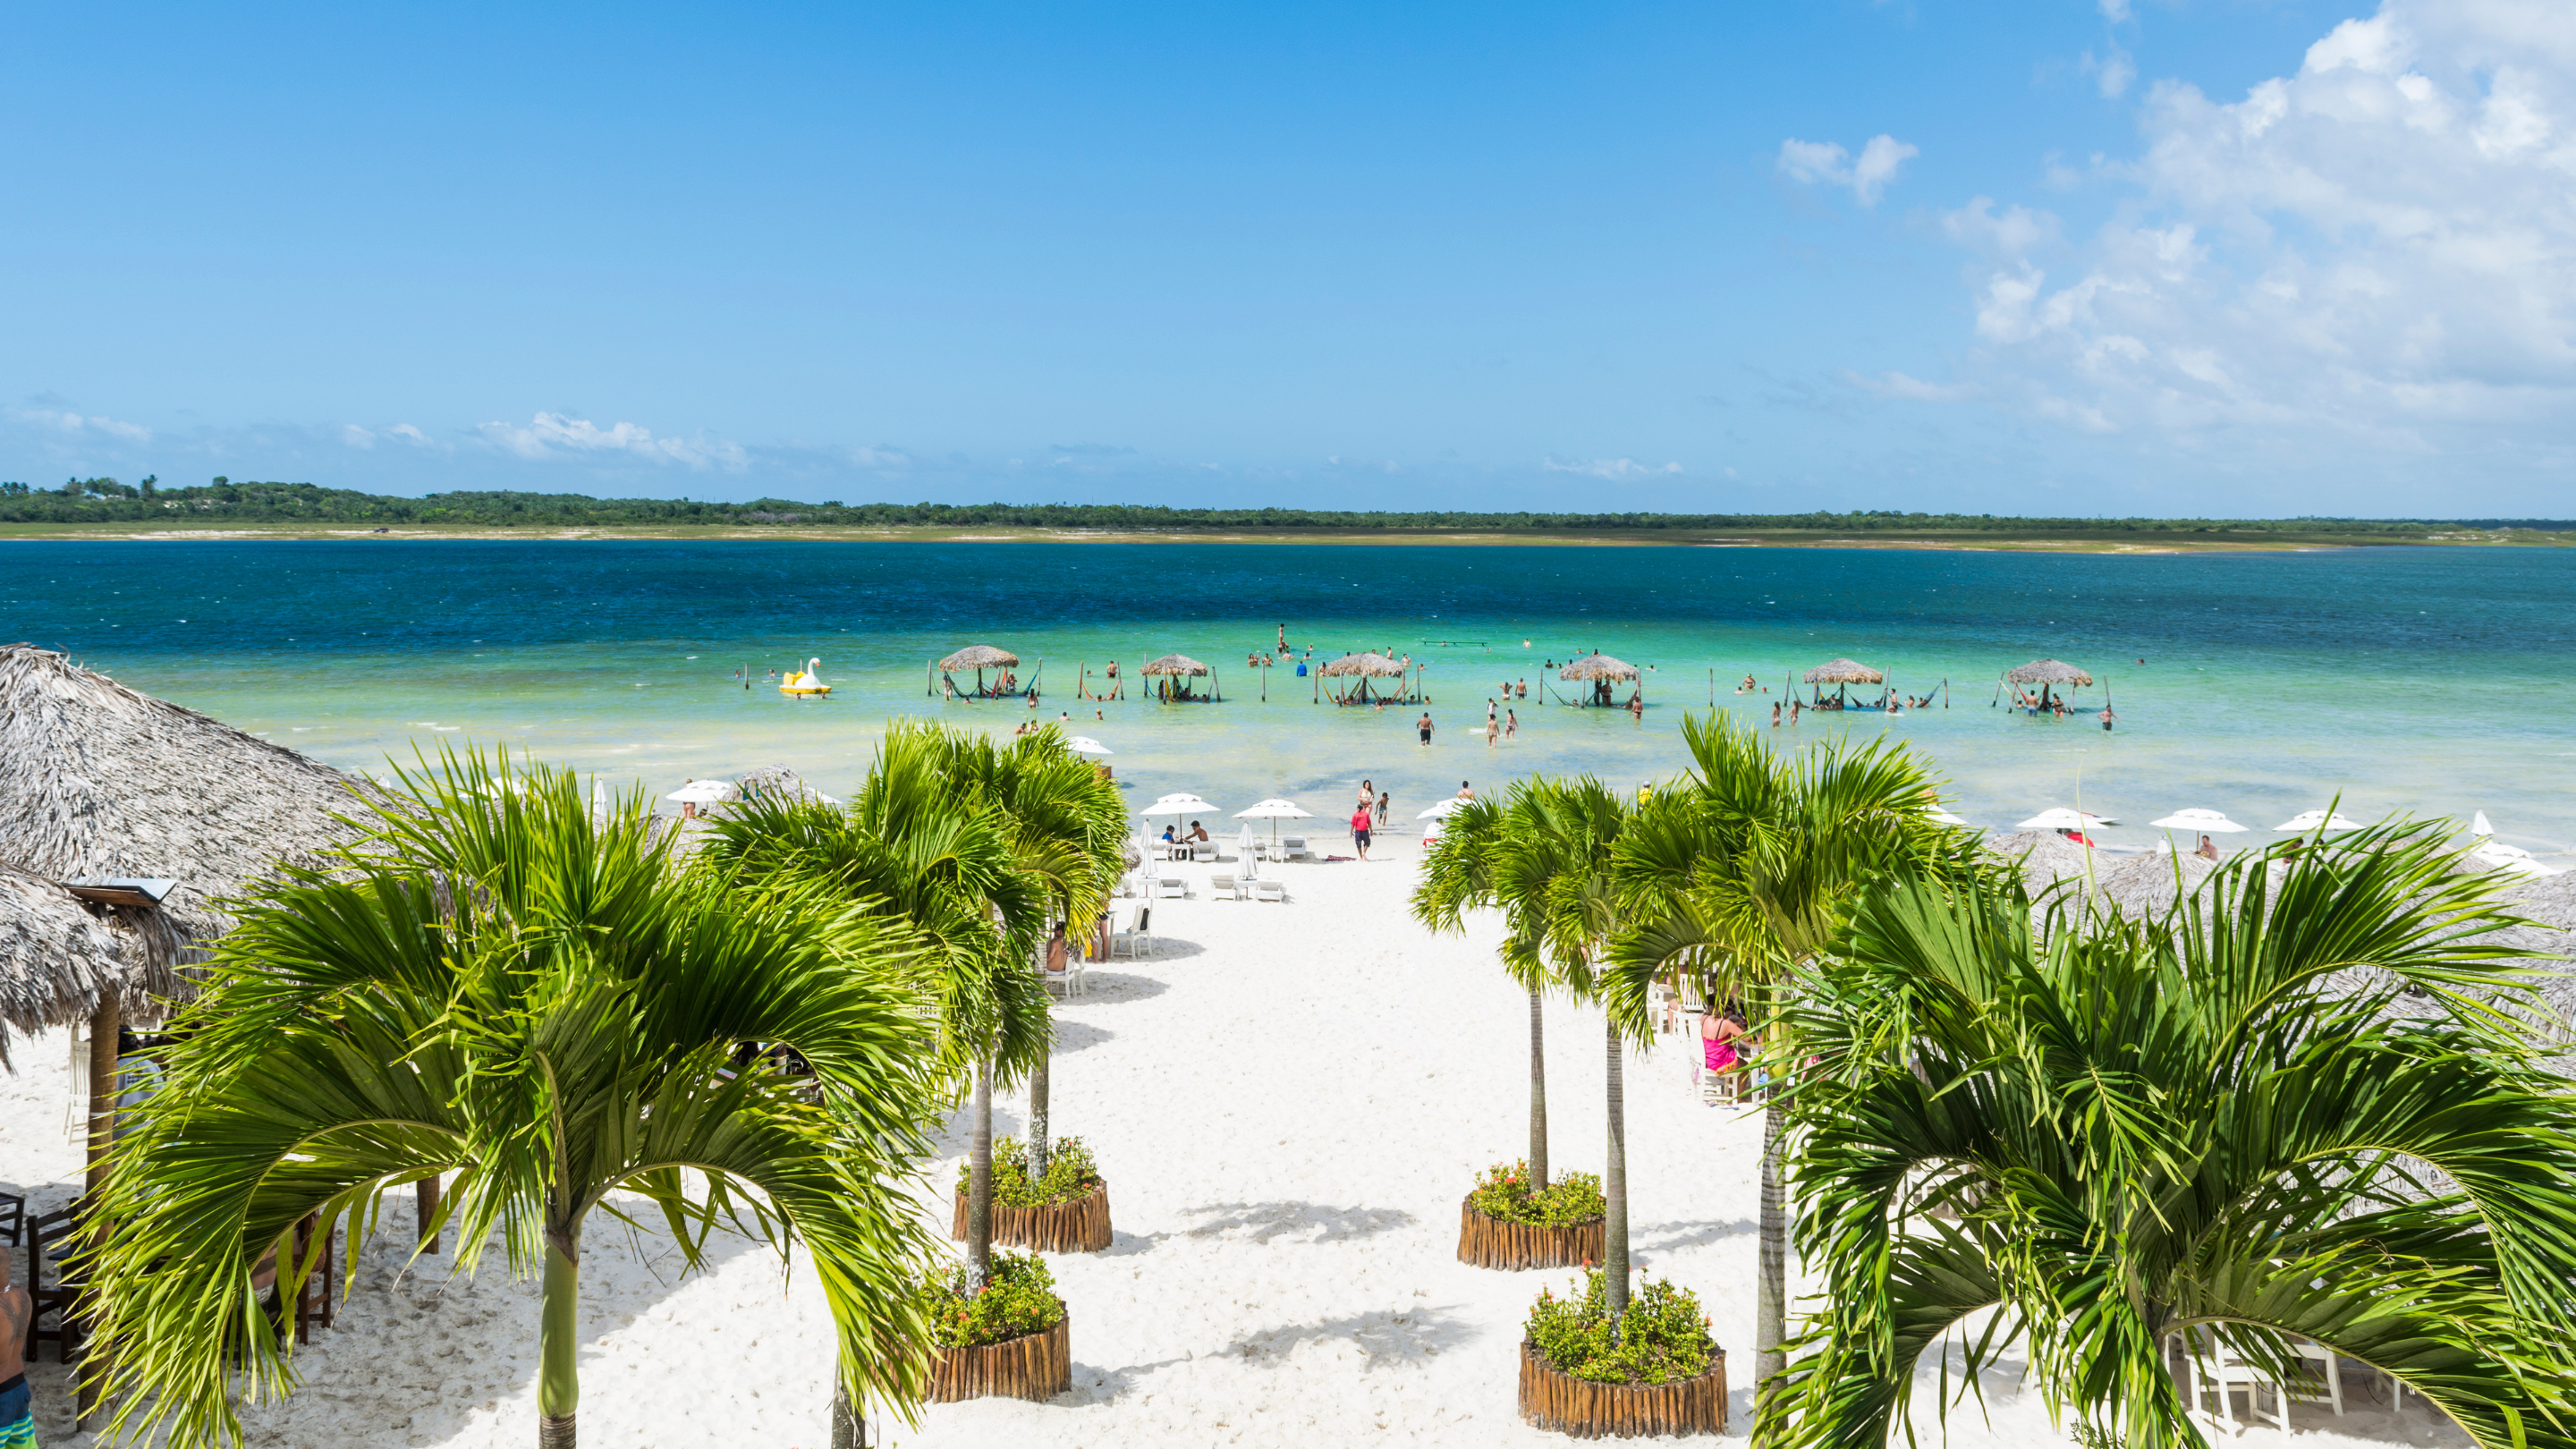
(495, 984)
(1545, 858)
(1738, 878)
(976, 849)
(1458, 875)
(2297, 1105)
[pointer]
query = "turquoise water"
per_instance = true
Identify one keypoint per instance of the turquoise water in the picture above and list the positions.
(2429, 680)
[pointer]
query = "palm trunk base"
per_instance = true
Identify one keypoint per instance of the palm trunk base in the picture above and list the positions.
(554, 1431)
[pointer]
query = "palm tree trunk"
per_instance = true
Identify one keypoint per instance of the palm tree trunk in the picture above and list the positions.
(1771, 1279)
(848, 1430)
(1038, 1086)
(1538, 1095)
(1614, 1177)
(558, 1344)
(979, 1183)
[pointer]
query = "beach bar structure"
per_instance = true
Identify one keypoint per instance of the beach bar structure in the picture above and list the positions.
(1172, 675)
(1597, 672)
(123, 819)
(2049, 675)
(941, 677)
(1358, 670)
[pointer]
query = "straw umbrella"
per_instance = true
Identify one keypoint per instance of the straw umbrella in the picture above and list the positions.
(98, 783)
(2047, 674)
(979, 657)
(56, 957)
(1178, 666)
(1844, 672)
(1366, 667)
(1599, 670)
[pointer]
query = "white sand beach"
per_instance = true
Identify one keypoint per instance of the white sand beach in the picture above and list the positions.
(1288, 1101)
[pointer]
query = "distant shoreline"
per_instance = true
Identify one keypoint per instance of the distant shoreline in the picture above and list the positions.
(1928, 540)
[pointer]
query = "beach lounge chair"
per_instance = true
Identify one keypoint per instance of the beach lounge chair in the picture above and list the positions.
(1171, 885)
(1293, 847)
(1138, 938)
(1222, 884)
(1270, 890)
(2211, 1362)
(1205, 850)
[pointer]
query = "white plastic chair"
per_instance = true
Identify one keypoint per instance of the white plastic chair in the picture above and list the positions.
(1138, 938)
(2226, 1371)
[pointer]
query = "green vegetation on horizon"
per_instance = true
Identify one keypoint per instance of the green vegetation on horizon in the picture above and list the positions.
(224, 502)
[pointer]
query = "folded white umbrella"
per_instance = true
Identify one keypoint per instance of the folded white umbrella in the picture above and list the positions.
(1444, 809)
(2317, 819)
(2058, 817)
(702, 792)
(2198, 819)
(2478, 825)
(1086, 745)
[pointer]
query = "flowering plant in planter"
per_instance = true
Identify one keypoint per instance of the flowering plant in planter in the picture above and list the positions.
(1018, 1299)
(1070, 1175)
(1662, 1339)
(1503, 1193)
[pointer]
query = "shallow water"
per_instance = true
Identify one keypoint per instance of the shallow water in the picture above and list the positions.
(2427, 680)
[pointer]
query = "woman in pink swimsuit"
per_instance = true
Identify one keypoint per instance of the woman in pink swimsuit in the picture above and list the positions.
(1719, 1031)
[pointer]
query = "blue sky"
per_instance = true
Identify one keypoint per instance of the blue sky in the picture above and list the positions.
(2065, 258)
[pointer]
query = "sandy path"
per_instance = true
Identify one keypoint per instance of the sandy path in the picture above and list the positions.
(1288, 1101)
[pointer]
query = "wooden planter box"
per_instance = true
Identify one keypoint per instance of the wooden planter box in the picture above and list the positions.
(1032, 1366)
(1490, 1242)
(1079, 1226)
(1586, 1410)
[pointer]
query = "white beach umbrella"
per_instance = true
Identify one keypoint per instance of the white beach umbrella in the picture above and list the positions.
(2198, 819)
(1940, 816)
(702, 792)
(1443, 810)
(2315, 820)
(2058, 817)
(2495, 855)
(1086, 745)
(1183, 803)
(1273, 811)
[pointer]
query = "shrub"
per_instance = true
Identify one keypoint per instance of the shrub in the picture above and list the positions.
(1663, 1338)
(1504, 1192)
(1070, 1174)
(1018, 1299)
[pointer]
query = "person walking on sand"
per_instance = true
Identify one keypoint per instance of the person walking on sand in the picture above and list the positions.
(1424, 726)
(1360, 831)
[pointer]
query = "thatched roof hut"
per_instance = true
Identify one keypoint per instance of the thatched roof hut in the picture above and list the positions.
(979, 656)
(1376, 666)
(1844, 671)
(2049, 671)
(97, 780)
(1598, 666)
(55, 956)
(1176, 664)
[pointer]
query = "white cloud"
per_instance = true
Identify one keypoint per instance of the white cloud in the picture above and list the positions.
(2115, 11)
(552, 435)
(1617, 470)
(360, 437)
(2383, 244)
(71, 422)
(2113, 73)
(1827, 162)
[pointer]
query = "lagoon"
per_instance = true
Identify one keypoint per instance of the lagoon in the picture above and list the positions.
(2430, 680)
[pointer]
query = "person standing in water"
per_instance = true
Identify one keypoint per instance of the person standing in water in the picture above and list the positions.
(1511, 725)
(1385, 805)
(1424, 726)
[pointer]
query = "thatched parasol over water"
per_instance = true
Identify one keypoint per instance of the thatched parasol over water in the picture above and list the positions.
(1845, 671)
(2049, 671)
(1180, 664)
(1598, 666)
(1367, 666)
(979, 656)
